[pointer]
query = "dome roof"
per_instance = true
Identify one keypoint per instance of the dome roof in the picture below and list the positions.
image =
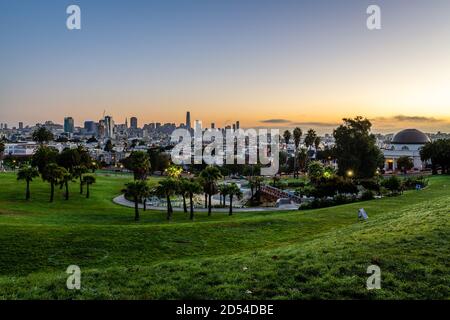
(410, 136)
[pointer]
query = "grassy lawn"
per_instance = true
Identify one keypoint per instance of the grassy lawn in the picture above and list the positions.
(320, 253)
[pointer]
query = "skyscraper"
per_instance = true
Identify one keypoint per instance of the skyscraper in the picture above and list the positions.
(237, 125)
(20, 125)
(109, 127)
(133, 123)
(188, 120)
(69, 125)
(90, 127)
(213, 125)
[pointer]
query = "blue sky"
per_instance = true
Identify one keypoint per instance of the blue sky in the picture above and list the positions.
(302, 61)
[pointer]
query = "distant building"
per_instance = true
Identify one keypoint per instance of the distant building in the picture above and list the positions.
(20, 125)
(188, 120)
(133, 123)
(213, 125)
(237, 125)
(90, 127)
(109, 127)
(406, 143)
(69, 125)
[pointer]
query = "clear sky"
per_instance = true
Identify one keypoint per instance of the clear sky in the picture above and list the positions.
(277, 62)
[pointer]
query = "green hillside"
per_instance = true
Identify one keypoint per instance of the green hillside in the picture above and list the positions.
(320, 253)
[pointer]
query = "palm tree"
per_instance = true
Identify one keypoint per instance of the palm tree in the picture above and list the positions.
(78, 172)
(167, 188)
(297, 137)
(222, 192)
(27, 173)
(53, 174)
(65, 182)
(317, 142)
(210, 175)
(42, 135)
(192, 187)
(182, 190)
(233, 190)
(88, 180)
(287, 137)
(310, 138)
(135, 190)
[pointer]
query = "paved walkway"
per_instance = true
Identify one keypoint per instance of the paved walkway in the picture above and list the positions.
(120, 200)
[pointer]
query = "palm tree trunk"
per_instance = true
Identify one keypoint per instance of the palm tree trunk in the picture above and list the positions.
(191, 204)
(52, 191)
(27, 195)
(169, 208)
(144, 203)
(136, 209)
(87, 190)
(206, 200)
(81, 184)
(231, 205)
(184, 203)
(209, 206)
(66, 183)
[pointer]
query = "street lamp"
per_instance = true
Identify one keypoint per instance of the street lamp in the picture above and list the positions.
(350, 173)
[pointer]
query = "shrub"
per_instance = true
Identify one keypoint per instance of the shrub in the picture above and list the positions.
(411, 182)
(393, 184)
(367, 195)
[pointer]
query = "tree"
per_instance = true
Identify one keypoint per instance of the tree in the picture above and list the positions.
(174, 171)
(192, 187)
(317, 142)
(53, 174)
(27, 173)
(297, 138)
(316, 171)
(167, 188)
(356, 149)
(310, 138)
(302, 159)
(159, 160)
(42, 135)
(136, 189)
(78, 172)
(233, 190)
(210, 175)
(44, 156)
(287, 137)
(182, 190)
(405, 164)
(139, 163)
(222, 189)
(2, 148)
(109, 146)
(64, 182)
(438, 152)
(88, 180)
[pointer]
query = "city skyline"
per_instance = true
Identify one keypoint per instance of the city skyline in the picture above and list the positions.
(303, 63)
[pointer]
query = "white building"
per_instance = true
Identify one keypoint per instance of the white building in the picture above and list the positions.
(407, 143)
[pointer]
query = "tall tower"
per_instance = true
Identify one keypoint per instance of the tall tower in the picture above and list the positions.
(133, 123)
(69, 125)
(188, 120)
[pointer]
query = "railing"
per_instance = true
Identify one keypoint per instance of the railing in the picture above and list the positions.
(278, 193)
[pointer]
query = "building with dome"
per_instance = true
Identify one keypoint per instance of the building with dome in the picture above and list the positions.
(407, 143)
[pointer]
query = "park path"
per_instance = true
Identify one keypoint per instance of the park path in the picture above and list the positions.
(120, 200)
